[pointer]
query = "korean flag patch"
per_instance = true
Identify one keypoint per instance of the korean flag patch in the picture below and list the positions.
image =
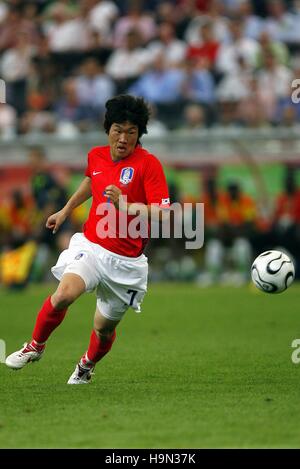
(126, 175)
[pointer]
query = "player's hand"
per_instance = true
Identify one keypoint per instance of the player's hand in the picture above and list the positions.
(114, 194)
(55, 220)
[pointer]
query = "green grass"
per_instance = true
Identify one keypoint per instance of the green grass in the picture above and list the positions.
(198, 368)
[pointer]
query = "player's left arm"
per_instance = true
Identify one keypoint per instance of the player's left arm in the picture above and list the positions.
(150, 211)
(156, 192)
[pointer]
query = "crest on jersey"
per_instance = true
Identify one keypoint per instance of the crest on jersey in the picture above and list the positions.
(126, 175)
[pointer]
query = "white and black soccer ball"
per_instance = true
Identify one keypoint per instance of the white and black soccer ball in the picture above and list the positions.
(272, 272)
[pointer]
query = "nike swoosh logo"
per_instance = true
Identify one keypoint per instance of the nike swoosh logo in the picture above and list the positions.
(96, 172)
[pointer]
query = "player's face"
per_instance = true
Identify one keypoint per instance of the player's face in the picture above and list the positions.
(122, 140)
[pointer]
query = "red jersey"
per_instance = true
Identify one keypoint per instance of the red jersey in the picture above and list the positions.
(141, 179)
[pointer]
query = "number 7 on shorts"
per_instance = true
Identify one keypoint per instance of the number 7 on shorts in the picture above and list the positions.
(133, 293)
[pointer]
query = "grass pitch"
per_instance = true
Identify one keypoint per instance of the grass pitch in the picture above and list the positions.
(198, 368)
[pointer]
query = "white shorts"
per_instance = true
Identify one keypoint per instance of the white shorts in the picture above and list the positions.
(120, 281)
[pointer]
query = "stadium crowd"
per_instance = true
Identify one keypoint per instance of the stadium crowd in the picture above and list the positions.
(198, 62)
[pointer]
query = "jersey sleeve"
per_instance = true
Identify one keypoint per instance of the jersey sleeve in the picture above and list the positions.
(88, 169)
(155, 184)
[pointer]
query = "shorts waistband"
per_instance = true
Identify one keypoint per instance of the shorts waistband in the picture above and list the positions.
(114, 254)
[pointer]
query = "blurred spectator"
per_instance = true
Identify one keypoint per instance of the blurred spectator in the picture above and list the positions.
(99, 46)
(197, 83)
(65, 32)
(167, 44)
(15, 64)
(208, 47)
(42, 50)
(166, 12)
(70, 6)
(236, 85)
(250, 111)
(128, 62)
(289, 117)
(232, 6)
(236, 94)
(70, 111)
(43, 84)
(8, 121)
(49, 196)
(136, 19)
(253, 25)
(296, 11)
(102, 15)
(199, 5)
(278, 49)
(20, 219)
(239, 47)
(156, 128)
(216, 15)
(210, 199)
(182, 16)
(35, 122)
(169, 88)
(228, 116)
(287, 208)
(93, 86)
(193, 118)
(274, 85)
(9, 29)
(281, 24)
(161, 86)
(3, 11)
(151, 5)
(230, 218)
(286, 220)
(237, 209)
(30, 24)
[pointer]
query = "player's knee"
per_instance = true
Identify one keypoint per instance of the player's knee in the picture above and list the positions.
(104, 333)
(63, 297)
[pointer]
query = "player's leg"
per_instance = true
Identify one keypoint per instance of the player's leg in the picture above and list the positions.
(102, 338)
(55, 307)
(101, 341)
(49, 317)
(125, 286)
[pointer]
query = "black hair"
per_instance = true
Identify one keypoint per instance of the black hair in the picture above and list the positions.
(127, 108)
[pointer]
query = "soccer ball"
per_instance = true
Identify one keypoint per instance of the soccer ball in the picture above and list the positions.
(272, 272)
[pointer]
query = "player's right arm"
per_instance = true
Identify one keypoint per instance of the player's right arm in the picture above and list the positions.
(82, 194)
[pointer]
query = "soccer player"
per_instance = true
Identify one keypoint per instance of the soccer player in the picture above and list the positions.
(123, 179)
